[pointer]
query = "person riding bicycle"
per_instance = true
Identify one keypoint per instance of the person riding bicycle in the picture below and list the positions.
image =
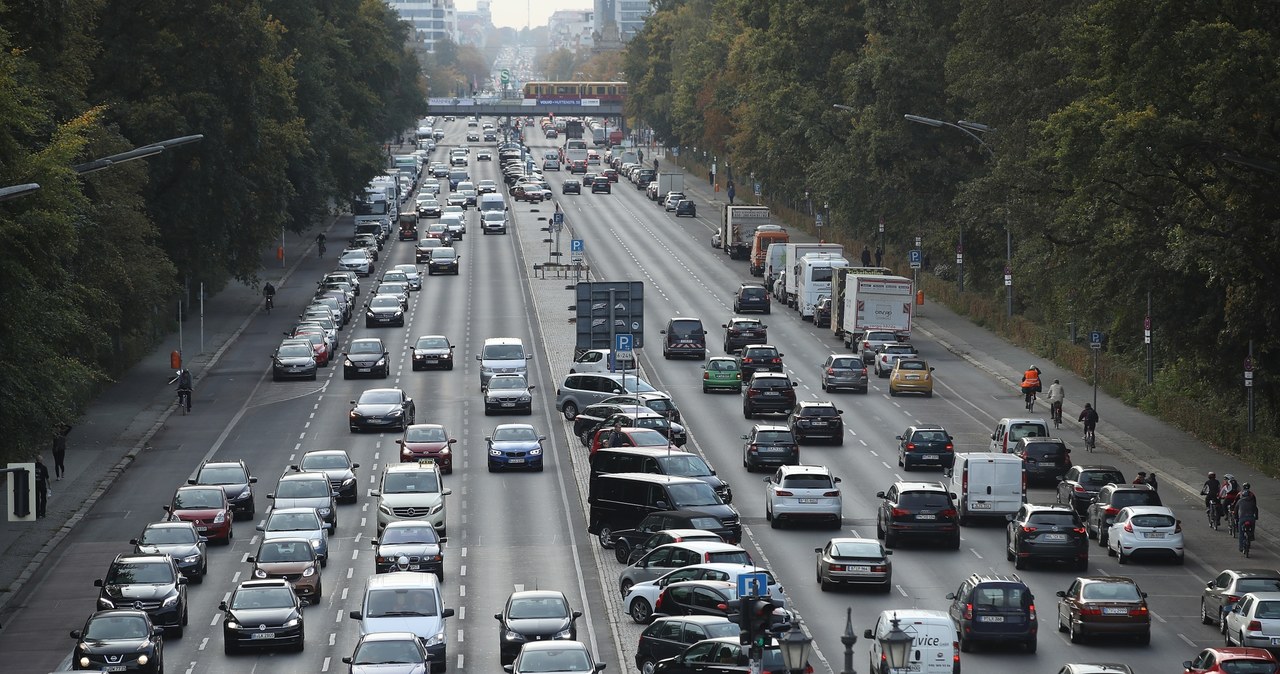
(1030, 384)
(1088, 417)
(269, 292)
(1228, 493)
(1056, 396)
(1246, 513)
(183, 379)
(1210, 492)
(320, 239)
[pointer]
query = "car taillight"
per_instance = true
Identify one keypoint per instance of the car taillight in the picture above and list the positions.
(1090, 611)
(911, 445)
(747, 360)
(866, 345)
(879, 569)
(831, 370)
(1032, 612)
(968, 611)
(955, 654)
(706, 375)
(1028, 530)
(775, 360)
(1128, 526)
(864, 371)
(899, 512)
(1231, 598)
(783, 492)
(949, 512)
(837, 567)
(657, 605)
(1078, 530)
(753, 447)
(949, 447)
(1254, 626)
(1142, 610)
(1177, 527)
(752, 392)
(723, 607)
(1112, 510)
(1078, 489)
(831, 493)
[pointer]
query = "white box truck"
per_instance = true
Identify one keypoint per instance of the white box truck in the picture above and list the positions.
(669, 182)
(873, 302)
(737, 228)
(784, 289)
(813, 279)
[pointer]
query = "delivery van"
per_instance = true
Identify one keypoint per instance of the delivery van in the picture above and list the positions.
(987, 484)
(1010, 430)
(935, 647)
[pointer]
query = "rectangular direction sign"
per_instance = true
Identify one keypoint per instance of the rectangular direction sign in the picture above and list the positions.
(753, 585)
(592, 311)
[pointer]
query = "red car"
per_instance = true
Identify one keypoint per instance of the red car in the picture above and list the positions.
(319, 344)
(207, 507)
(611, 174)
(1250, 660)
(636, 437)
(427, 441)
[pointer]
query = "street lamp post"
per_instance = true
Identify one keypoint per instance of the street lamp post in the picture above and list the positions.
(826, 208)
(795, 648)
(896, 645)
(848, 639)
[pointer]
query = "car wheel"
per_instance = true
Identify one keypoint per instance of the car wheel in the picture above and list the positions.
(646, 666)
(825, 585)
(890, 541)
(879, 530)
(1019, 562)
(1061, 626)
(893, 393)
(622, 552)
(570, 410)
(928, 394)
(955, 542)
(625, 586)
(1030, 646)
(1204, 615)
(966, 645)
(228, 647)
(1121, 557)
(1008, 553)
(1144, 639)
(1102, 539)
(1076, 635)
(492, 468)
(606, 532)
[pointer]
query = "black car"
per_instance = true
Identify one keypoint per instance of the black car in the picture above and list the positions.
(118, 640)
(150, 583)
(419, 544)
(626, 540)
(592, 416)
(686, 207)
(759, 358)
(601, 186)
(1080, 485)
(258, 608)
(571, 186)
(444, 261)
(1043, 459)
(1107, 504)
(1052, 533)
(384, 310)
(751, 297)
(380, 408)
(293, 361)
(994, 608)
(668, 637)
(921, 510)
(366, 357)
(534, 615)
(812, 419)
(723, 655)
(179, 540)
(768, 392)
(769, 446)
(432, 351)
(740, 332)
(337, 466)
(236, 482)
(926, 445)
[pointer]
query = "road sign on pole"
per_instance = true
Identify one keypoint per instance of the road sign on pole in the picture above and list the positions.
(1095, 340)
(623, 346)
(916, 258)
(576, 248)
(753, 585)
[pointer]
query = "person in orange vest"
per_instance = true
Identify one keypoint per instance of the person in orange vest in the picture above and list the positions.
(1030, 385)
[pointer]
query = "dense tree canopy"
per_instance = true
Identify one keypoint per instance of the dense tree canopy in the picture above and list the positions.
(294, 101)
(1133, 148)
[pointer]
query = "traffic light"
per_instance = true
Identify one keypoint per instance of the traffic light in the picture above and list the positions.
(760, 618)
(21, 492)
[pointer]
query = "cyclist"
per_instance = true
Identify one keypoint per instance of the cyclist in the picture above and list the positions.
(320, 239)
(1141, 478)
(1030, 384)
(269, 292)
(1246, 513)
(1227, 495)
(1212, 502)
(1056, 397)
(183, 379)
(1088, 417)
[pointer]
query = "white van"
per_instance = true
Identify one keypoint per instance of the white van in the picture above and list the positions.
(407, 601)
(935, 648)
(987, 484)
(1010, 430)
(502, 355)
(774, 257)
(490, 201)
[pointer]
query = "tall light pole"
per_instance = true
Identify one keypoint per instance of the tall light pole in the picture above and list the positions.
(972, 129)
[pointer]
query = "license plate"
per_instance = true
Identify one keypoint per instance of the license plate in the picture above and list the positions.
(859, 569)
(415, 567)
(1055, 537)
(262, 635)
(820, 423)
(808, 500)
(1115, 611)
(114, 668)
(1275, 641)
(981, 506)
(930, 457)
(926, 517)
(516, 461)
(432, 361)
(508, 404)
(202, 528)
(365, 369)
(1153, 534)
(991, 619)
(771, 394)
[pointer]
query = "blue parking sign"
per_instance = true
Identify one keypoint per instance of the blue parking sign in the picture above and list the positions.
(753, 585)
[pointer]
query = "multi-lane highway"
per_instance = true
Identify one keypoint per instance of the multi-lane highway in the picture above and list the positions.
(516, 531)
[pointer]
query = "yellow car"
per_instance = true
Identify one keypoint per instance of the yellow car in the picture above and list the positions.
(911, 375)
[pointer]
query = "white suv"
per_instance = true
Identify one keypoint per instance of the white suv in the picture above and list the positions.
(413, 492)
(797, 493)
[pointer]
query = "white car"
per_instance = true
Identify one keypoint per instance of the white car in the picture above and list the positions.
(671, 199)
(299, 523)
(1254, 621)
(803, 493)
(413, 492)
(591, 360)
(639, 599)
(890, 354)
(1146, 530)
(357, 261)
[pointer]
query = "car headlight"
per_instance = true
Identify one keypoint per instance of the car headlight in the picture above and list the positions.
(143, 659)
(347, 362)
(259, 573)
(355, 414)
(220, 517)
(324, 512)
(84, 662)
(291, 623)
(494, 452)
(244, 493)
(347, 481)
(565, 633)
(104, 603)
(191, 559)
(169, 602)
(232, 624)
(395, 413)
(535, 452)
(419, 352)
(434, 640)
(309, 572)
(369, 313)
(445, 451)
(316, 542)
(386, 510)
(437, 508)
(511, 635)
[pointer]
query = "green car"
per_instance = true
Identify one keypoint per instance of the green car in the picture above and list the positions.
(721, 372)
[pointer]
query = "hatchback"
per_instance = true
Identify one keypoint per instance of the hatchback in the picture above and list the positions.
(262, 614)
(926, 445)
(628, 555)
(803, 494)
(666, 558)
(669, 636)
(1043, 459)
(923, 510)
(1221, 593)
(721, 373)
(1231, 661)
(686, 207)
(769, 445)
(624, 540)
(911, 375)
(1146, 530)
(813, 419)
(854, 561)
(534, 616)
(759, 358)
(1104, 605)
(1052, 533)
(843, 371)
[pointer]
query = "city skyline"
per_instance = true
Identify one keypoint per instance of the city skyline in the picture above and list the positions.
(520, 13)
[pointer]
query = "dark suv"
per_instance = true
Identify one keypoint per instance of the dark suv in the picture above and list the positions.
(1081, 483)
(235, 481)
(751, 297)
(994, 608)
(768, 445)
(922, 510)
(1046, 532)
(684, 337)
(1043, 459)
(1107, 504)
(739, 332)
(768, 392)
(926, 445)
(150, 583)
(813, 419)
(759, 358)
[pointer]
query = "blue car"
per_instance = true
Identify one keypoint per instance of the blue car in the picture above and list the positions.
(515, 446)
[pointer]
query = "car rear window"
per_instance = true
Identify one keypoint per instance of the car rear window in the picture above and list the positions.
(1121, 499)
(685, 329)
(761, 353)
(1045, 450)
(1020, 431)
(807, 482)
(753, 293)
(924, 499)
(728, 557)
(1101, 478)
(1000, 596)
(1152, 521)
(775, 437)
(1053, 519)
(818, 411)
(929, 436)
(1111, 592)
(770, 383)
(844, 363)
(881, 336)
(1246, 585)
(911, 364)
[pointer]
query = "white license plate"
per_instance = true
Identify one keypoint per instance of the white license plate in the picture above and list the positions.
(1047, 464)
(926, 517)
(262, 635)
(1153, 534)
(772, 394)
(930, 457)
(981, 506)
(508, 404)
(1115, 611)
(415, 567)
(114, 668)
(990, 618)
(365, 369)
(202, 528)
(432, 361)
(859, 569)
(808, 500)
(1055, 537)
(516, 461)
(819, 423)
(1275, 641)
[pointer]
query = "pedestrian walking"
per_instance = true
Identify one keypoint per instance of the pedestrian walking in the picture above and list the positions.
(640, 155)
(879, 256)
(731, 192)
(42, 486)
(60, 451)
(866, 256)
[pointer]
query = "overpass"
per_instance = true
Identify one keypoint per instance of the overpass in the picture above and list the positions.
(521, 107)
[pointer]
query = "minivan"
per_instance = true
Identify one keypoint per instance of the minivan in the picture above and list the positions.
(491, 201)
(987, 484)
(458, 176)
(684, 337)
(622, 500)
(502, 355)
(659, 461)
(935, 647)
(1009, 431)
(406, 601)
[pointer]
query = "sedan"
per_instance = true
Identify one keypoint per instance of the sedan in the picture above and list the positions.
(1141, 530)
(336, 465)
(389, 653)
(515, 446)
(854, 561)
(384, 310)
(119, 640)
(262, 613)
(381, 408)
(205, 507)
(291, 559)
(428, 208)
(417, 544)
(560, 657)
(179, 540)
(302, 523)
(432, 351)
(1254, 621)
(293, 361)
(508, 393)
(428, 441)
(1104, 605)
(357, 261)
(367, 358)
(443, 261)
(534, 616)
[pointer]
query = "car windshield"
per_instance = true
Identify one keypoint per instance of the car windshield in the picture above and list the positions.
(325, 462)
(1100, 478)
(380, 397)
(285, 551)
(856, 549)
(130, 573)
(362, 346)
(395, 277)
(432, 343)
(354, 256)
(392, 289)
(516, 434)
(303, 489)
(407, 269)
(193, 499)
(562, 660)
(443, 254)
(1111, 592)
(411, 534)
(513, 383)
(912, 365)
(263, 597)
(688, 465)
(538, 607)
(429, 434)
(410, 483)
(286, 521)
(294, 351)
(168, 536)
(388, 603)
(222, 475)
(400, 652)
(503, 352)
(116, 627)
(385, 302)
(693, 495)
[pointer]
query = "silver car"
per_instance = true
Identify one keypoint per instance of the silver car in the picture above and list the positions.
(298, 523)
(803, 493)
(306, 490)
(560, 657)
(411, 272)
(844, 371)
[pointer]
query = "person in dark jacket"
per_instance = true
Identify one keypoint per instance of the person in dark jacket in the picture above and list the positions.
(42, 486)
(866, 256)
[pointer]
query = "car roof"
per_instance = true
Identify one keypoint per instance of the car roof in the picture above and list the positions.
(1097, 467)
(326, 452)
(804, 468)
(654, 477)
(698, 619)
(926, 427)
(144, 558)
(770, 427)
(1264, 596)
(1048, 507)
(294, 476)
(1254, 573)
(538, 594)
(388, 636)
(919, 486)
(1106, 579)
(367, 339)
(528, 426)
(719, 584)
(703, 546)
(404, 579)
(555, 645)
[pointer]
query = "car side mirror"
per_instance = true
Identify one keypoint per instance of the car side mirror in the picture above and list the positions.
(1062, 478)
(498, 617)
(260, 528)
(880, 494)
(577, 614)
(478, 358)
(662, 505)
(346, 660)
(951, 596)
(953, 496)
(867, 634)
(356, 615)
(1060, 593)
(251, 559)
(446, 491)
(1008, 518)
(271, 495)
(600, 666)
(448, 613)
(993, 436)
(133, 541)
(97, 583)
(767, 479)
(508, 668)
(794, 383)
(222, 605)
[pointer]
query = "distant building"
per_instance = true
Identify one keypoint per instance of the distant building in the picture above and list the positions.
(433, 21)
(473, 27)
(630, 17)
(617, 21)
(571, 29)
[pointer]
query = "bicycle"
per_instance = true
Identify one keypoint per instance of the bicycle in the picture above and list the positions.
(1089, 440)
(320, 249)
(1055, 409)
(1246, 537)
(1233, 523)
(1214, 514)
(1030, 397)
(184, 401)
(270, 303)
